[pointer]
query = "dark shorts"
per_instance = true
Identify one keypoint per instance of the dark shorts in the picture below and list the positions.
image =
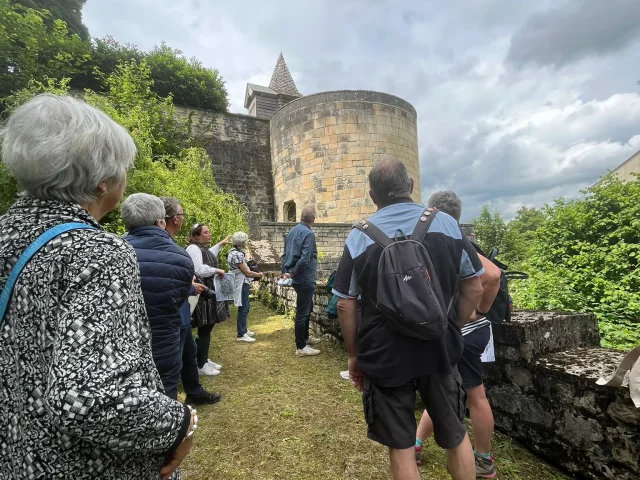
(390, 411)
(470, 365)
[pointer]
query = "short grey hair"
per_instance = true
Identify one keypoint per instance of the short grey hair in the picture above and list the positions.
(58, 147)
(141, 210)
(448, 202)
(171, 206)
(239, 239)
(389, 179)
(308, 214)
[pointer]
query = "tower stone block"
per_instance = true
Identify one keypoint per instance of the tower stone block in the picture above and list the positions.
(324, 145)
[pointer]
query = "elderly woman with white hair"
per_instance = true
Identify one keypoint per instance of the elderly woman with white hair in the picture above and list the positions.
(238, 265)
(80, 396)
(166, 274)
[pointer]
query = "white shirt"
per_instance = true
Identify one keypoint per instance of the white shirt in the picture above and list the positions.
(201, 268)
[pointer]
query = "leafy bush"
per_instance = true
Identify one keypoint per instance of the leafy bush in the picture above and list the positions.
(187, 81)
(584, 257)
(34, 47)
(167, 162)
(69, 11)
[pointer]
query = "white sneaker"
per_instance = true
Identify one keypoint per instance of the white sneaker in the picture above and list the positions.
(307, 352)
(215, 365)
(208, 370)
(345, 374)
(250, 333)
(246, 338)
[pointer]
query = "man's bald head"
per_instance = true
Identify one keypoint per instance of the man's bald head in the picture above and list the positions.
(308, 215)
(389, 180)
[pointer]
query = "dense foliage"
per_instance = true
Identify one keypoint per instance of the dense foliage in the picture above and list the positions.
(38, 44)
(168, 162)
(69, 11)
(582, 256)
(35, 47)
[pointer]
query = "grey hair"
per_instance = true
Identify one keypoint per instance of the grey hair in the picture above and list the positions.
(171, 206)
(308, 214)
(58, 147)
(448, 202)
(389, 179)
(141, 210)
(239, 239)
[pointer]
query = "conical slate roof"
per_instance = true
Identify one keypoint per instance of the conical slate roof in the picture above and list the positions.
(281, 80)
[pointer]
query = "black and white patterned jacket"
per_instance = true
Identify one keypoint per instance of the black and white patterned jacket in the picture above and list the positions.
(80, 396)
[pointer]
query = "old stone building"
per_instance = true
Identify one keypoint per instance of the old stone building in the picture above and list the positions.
(292, 150)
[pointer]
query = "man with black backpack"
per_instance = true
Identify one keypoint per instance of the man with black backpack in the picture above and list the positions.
(408, 263)
(477, 335)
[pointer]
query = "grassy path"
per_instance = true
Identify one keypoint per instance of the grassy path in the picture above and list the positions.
(284, 417)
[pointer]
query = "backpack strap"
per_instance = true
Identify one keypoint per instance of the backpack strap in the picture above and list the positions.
(373, 232)
(423, 224)
(28, 253)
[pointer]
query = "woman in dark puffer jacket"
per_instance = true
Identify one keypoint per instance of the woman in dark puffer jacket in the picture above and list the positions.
(166, 274)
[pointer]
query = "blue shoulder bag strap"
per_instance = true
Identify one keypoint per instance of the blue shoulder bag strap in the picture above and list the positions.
(29, 252)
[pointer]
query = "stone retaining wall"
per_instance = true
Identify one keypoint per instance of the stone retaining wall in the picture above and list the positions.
(541, 387)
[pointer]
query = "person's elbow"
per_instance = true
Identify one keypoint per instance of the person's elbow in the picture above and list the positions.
(471, 288)
(491, 277)
(344, 305)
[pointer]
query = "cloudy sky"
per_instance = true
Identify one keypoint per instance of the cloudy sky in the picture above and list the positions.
(518, 102)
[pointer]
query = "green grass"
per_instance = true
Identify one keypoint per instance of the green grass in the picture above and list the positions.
(284, 417)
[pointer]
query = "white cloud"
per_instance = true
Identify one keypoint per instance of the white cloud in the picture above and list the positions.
(499, 121)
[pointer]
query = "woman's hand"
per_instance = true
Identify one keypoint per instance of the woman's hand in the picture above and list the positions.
(226, 240)
(178, 454)
(199, 288)
(221, 273)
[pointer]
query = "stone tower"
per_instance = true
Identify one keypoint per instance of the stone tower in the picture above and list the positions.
(324, 145)
(263, 101)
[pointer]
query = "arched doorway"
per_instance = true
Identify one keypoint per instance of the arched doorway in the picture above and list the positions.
(289, 211)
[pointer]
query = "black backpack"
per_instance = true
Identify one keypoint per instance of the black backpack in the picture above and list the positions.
(502, 306)
(408, 291)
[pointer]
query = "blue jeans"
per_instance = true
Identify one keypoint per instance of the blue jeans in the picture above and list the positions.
(243, 311)
(189, 373)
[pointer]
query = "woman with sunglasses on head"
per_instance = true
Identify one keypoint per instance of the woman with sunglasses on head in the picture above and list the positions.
(208, 311)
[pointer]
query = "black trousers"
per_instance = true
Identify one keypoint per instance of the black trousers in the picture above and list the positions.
(304, 305)
(189, 373)
(202, 342)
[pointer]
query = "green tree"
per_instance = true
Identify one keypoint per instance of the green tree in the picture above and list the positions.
(168, 162)
(189, 82)
(69, 11)
(106, 55)
(519, 236)
(33, 49)
(489, 229)
(585, 257)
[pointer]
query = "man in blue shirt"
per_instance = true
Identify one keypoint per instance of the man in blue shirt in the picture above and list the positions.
(300, 264)
(387, 366)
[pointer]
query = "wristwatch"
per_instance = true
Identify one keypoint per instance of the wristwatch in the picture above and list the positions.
(193, 427)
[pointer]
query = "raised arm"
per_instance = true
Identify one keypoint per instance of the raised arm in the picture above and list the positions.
(201, 268)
